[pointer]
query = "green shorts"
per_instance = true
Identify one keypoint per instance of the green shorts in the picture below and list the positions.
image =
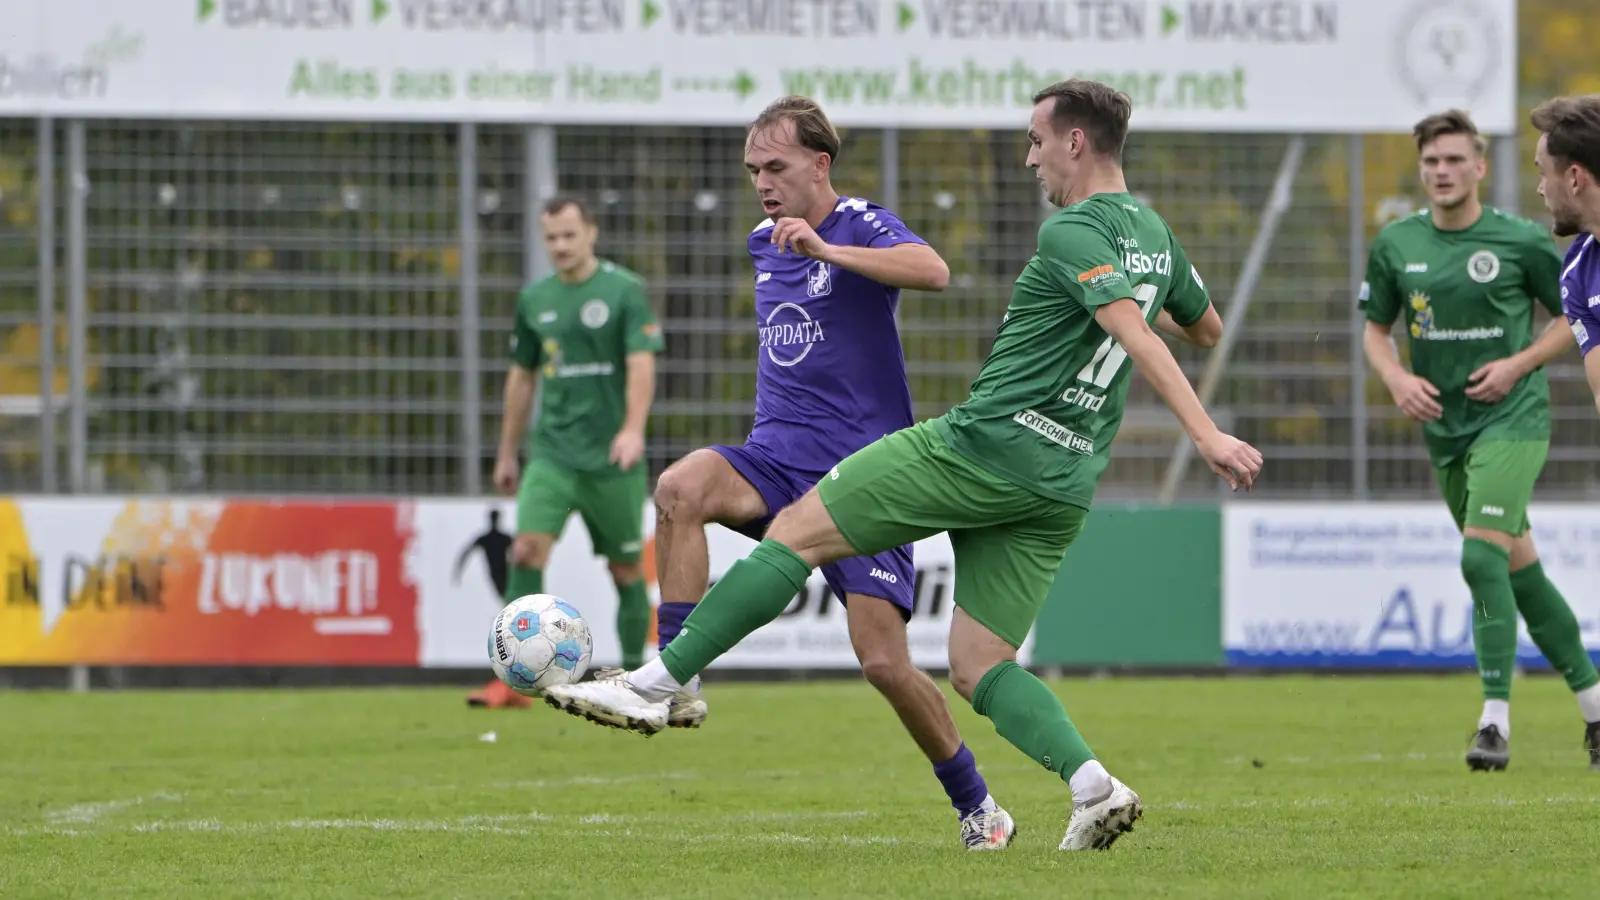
(1008, 541)
(1491, 485)
(611, 504)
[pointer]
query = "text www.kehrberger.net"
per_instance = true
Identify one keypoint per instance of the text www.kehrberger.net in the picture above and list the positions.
(920, 83)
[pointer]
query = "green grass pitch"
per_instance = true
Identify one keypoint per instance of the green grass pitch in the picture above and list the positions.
(1271, 787)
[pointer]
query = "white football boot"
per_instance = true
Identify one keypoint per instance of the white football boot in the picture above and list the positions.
(610, 700)
(1096, 825)
(688, 706)
(988, 827)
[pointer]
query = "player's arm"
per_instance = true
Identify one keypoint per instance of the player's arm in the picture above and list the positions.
(1204, 333)
(641, 390)
(882, 249)
(1188, 314)
(1081, 260)
(1237, 462)
(1591, 367)
(1542, 281)
(517, 405)
(641, 341)
(1586, 332)
(1380, 303)
(910, 266)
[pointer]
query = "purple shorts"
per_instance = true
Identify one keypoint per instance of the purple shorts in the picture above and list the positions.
(890, 575)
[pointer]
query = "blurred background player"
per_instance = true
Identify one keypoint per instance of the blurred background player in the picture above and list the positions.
(1010, 473)
(1568, 159)
(1466, 277)
(590, 331)
(830, 379)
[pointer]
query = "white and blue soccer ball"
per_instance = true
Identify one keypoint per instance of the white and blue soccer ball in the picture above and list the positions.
(539, 641)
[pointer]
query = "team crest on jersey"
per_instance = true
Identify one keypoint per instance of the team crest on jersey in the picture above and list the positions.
(1483, 266)
(819, 280)
(594, 313)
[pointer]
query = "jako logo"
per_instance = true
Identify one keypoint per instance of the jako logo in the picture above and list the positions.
(881, 575)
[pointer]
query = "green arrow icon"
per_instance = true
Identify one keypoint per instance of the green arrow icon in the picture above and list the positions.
(208, 8)
(1169, 20)
(907, 14)
(380, 9)
(743, 84)
(649, 12)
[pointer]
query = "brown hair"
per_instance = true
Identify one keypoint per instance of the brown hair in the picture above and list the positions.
(1100, 110)
(1451, 121)
(1571, 126)
(559, 202)
(812, 130)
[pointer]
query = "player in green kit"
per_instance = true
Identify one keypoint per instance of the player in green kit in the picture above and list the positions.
(1009, 474)
(590, 332)
(1465, 278)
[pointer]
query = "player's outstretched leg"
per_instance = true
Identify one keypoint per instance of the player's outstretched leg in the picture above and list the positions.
(878, 635)
(1555, 632)
(1485, 566)
(698, 490)
(1027, 713)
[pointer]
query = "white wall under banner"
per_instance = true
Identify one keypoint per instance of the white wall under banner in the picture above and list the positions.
(1285, 66)
(458, 606)
(1379, 584)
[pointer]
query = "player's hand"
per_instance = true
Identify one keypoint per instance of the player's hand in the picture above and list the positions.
(1415, 397)
(627, 448)
(1237, 462)
(1494, 380)
(798, 233)
(506, 473)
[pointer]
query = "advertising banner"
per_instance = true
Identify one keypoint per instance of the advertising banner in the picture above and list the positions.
(460, 582)
(1379, 585)
(1188, 65)
(215, 582)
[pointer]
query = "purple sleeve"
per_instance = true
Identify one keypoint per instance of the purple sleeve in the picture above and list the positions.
(878, 227)
(1581, 316)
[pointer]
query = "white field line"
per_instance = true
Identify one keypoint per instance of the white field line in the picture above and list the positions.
(514, 824)
(89, 813)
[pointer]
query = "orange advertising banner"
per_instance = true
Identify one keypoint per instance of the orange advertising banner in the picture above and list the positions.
(207, 582)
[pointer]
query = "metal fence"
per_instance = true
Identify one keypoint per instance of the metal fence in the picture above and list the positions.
(292, 308)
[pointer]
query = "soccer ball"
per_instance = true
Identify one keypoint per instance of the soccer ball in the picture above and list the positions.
(539, 641)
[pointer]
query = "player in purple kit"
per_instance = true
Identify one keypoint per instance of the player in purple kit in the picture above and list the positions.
(830, 379)
(1568, 159)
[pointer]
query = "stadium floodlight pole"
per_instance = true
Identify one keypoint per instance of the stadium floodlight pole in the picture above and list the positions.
(77, 308)
(1243, 290)
(47, 303)
(1359, 451)
(470, 324)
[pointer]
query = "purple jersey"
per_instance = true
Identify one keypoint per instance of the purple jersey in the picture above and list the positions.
(831, 377)
(1580, 292)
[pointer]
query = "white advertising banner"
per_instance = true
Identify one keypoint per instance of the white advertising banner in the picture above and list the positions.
(1190, 65)
(456, 539)
(1379, 584)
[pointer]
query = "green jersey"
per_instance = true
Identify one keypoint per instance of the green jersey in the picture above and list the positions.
(1047, 402)
(577, 337)
(1467, 298)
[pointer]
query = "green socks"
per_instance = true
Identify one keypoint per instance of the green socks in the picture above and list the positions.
(753, 592)
(524, 581)
(633, 622)
(1029, 715)
(1486, 569)
(1553, 627)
